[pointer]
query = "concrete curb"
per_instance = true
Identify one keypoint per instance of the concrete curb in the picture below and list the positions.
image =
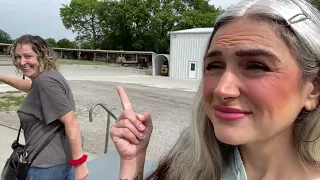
(6, 88)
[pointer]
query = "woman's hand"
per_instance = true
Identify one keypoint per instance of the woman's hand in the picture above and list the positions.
(81, 172)
(132, 132)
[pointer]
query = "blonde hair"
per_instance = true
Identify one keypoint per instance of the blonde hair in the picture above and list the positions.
(40, 47)
(198, 154)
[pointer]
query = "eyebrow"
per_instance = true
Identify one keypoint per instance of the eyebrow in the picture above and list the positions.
(245, 53)
(27, 53)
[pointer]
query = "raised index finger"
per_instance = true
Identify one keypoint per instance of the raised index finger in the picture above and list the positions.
(126, 105)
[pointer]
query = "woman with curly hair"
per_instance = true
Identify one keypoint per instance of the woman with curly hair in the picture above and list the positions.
(256, 114)
(49, 103)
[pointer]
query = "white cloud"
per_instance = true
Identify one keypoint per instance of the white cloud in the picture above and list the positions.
(223, 3)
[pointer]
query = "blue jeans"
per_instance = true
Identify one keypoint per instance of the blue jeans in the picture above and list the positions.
(60, 172)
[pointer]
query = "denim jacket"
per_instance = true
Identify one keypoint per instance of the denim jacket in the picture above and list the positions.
(235, 169)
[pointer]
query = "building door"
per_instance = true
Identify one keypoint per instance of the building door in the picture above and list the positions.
(192, 69)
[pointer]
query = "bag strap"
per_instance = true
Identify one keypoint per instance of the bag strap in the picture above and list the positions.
(48, 140)
(18, 137)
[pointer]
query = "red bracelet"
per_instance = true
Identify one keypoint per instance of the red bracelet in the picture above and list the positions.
(79, 161)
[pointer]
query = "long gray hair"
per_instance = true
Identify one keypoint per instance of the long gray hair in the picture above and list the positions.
(198, 154)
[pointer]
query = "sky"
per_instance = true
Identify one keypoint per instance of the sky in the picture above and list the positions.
(41, 17)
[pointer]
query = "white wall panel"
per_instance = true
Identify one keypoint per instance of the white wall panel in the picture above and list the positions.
(185, 48)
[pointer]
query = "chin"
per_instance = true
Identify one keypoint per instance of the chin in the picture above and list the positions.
(230, 137)
(29, 74)
(232, 133)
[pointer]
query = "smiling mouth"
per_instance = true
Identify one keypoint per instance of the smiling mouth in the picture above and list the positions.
(26, 68)
(229, 114)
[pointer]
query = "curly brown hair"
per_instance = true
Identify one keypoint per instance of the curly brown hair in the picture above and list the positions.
(40, 47)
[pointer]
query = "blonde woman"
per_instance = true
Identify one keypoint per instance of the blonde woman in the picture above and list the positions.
(256, 114)
(49, 103)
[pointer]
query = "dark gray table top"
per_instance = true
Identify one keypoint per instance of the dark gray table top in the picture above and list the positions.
(106, 167)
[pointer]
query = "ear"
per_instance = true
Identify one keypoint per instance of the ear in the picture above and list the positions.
(312, 90)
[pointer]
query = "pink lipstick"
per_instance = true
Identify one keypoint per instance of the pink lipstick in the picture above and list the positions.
(228, 113)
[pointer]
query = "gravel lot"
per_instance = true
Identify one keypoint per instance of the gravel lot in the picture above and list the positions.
(170, 110)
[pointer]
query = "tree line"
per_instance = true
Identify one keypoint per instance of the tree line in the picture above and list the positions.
(62, 43)
(134, 24)
(141, 25)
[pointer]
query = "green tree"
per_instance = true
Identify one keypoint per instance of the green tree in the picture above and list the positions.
(52, 42)
(125, 24)
(317, 3)
(83, 44)
(135, 24)
(66, 43)
(174, 15)
(166, 16)
(138, 24)
(5, 37)
(81, 16)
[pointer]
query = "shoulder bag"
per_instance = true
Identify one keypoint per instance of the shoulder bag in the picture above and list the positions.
(18, 164)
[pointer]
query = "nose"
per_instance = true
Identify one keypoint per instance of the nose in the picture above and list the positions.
(22, 61)
(227, 88)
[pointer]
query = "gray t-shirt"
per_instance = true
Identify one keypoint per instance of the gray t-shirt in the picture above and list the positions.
(49, 99)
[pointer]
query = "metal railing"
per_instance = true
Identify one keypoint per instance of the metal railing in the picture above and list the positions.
(110, 114)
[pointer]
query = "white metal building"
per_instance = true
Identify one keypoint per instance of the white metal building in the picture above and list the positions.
(187, 48)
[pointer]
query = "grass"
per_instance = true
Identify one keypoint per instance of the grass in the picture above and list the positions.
(5, 58)
(148, 72)
(11, 101)
(82, 62)
(145, 71)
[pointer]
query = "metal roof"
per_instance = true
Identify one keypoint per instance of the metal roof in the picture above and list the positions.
(4, 44)
(105, 51)
(194, 31)
(96, 50)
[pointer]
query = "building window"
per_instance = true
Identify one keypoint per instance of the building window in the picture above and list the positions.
(193, 66)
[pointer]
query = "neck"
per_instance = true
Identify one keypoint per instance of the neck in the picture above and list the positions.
(274, 158)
